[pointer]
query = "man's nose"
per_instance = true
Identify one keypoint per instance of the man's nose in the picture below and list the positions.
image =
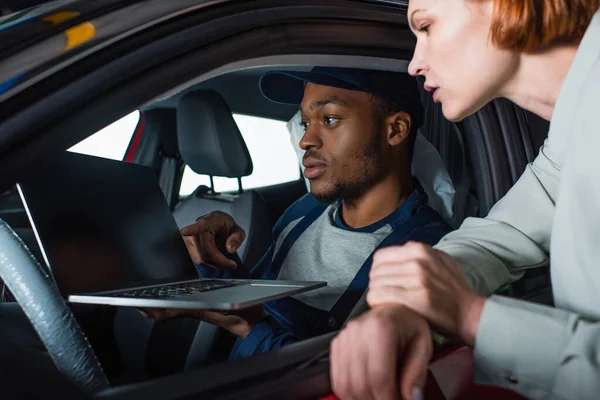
(310, 139)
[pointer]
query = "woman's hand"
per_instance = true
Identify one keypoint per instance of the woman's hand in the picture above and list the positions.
(429, 282)
(367, 354)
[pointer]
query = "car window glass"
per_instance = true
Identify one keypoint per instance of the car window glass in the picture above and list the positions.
(112, 141)
(272, 155)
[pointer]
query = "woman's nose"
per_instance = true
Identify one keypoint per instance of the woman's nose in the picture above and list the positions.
(417, 65)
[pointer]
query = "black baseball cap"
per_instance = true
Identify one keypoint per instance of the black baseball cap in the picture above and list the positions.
(400, 89)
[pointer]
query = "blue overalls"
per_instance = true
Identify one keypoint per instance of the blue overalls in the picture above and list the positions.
(291, 320)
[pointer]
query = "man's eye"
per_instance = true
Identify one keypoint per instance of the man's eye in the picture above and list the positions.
(330, 121)
(304, 125)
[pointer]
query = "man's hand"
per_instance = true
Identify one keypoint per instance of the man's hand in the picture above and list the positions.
(211, 232)
(364, 357)
(239, 322)
(430, 282)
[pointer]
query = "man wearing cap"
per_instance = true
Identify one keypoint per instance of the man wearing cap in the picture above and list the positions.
(360, 127)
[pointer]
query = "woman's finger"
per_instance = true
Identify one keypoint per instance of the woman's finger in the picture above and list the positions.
(406, 282)
(357, 360)
(416, 299)
(387, 295)
(340, 378)
(334, 365)
(394, 267)
(430, 267)
(414, 368)
(411, 250)
(382, 365)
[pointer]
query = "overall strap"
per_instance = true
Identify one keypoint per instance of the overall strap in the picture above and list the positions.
(291, 238)
(401, 233)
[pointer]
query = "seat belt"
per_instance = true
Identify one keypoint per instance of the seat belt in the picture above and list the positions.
(361, 307)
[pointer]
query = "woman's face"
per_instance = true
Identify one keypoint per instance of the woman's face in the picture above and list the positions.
(455, 54)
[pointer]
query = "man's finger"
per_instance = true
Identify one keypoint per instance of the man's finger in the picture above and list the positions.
(154, 313)
(193, 248)
(414, 370)
(194, 229)
(219, 319)
(190, 230)
(235, 239)
(211, 255)
(212, 316)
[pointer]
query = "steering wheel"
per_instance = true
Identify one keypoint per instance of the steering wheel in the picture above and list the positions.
(50, 316)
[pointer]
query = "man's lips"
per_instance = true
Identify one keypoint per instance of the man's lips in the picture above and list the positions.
(313, 168)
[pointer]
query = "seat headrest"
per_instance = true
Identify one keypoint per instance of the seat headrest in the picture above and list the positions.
(210, 142)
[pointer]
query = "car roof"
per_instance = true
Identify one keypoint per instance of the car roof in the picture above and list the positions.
(241, 92)
(33, 45)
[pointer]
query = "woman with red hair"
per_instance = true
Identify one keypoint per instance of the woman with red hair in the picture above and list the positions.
(544, 55)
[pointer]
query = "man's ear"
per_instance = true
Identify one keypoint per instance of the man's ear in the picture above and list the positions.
(399, 128)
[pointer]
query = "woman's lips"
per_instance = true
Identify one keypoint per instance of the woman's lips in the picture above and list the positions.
(435, 92)
(313, 169)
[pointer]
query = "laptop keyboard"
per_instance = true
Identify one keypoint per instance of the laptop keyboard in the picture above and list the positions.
(180, 289)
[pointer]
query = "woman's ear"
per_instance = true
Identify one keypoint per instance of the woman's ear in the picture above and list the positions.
(399, 130)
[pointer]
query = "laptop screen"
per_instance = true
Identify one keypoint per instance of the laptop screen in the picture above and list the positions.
(103, 224)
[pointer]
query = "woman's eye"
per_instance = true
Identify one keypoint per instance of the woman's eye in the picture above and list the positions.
(304, 125)
(330, 121)
(424, 28)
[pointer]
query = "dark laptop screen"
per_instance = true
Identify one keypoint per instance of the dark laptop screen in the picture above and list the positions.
(103, 224)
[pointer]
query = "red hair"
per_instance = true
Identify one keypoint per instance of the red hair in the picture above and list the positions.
(529, 25)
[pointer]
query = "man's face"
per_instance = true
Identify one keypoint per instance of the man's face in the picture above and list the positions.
(343, 142)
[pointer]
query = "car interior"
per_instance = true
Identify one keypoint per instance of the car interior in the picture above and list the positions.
(195, 128)
(207, 133)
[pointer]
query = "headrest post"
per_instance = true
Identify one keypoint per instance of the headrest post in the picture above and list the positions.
(240, 188)
(212, 184)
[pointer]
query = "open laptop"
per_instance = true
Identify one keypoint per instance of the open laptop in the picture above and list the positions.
(107, 236)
